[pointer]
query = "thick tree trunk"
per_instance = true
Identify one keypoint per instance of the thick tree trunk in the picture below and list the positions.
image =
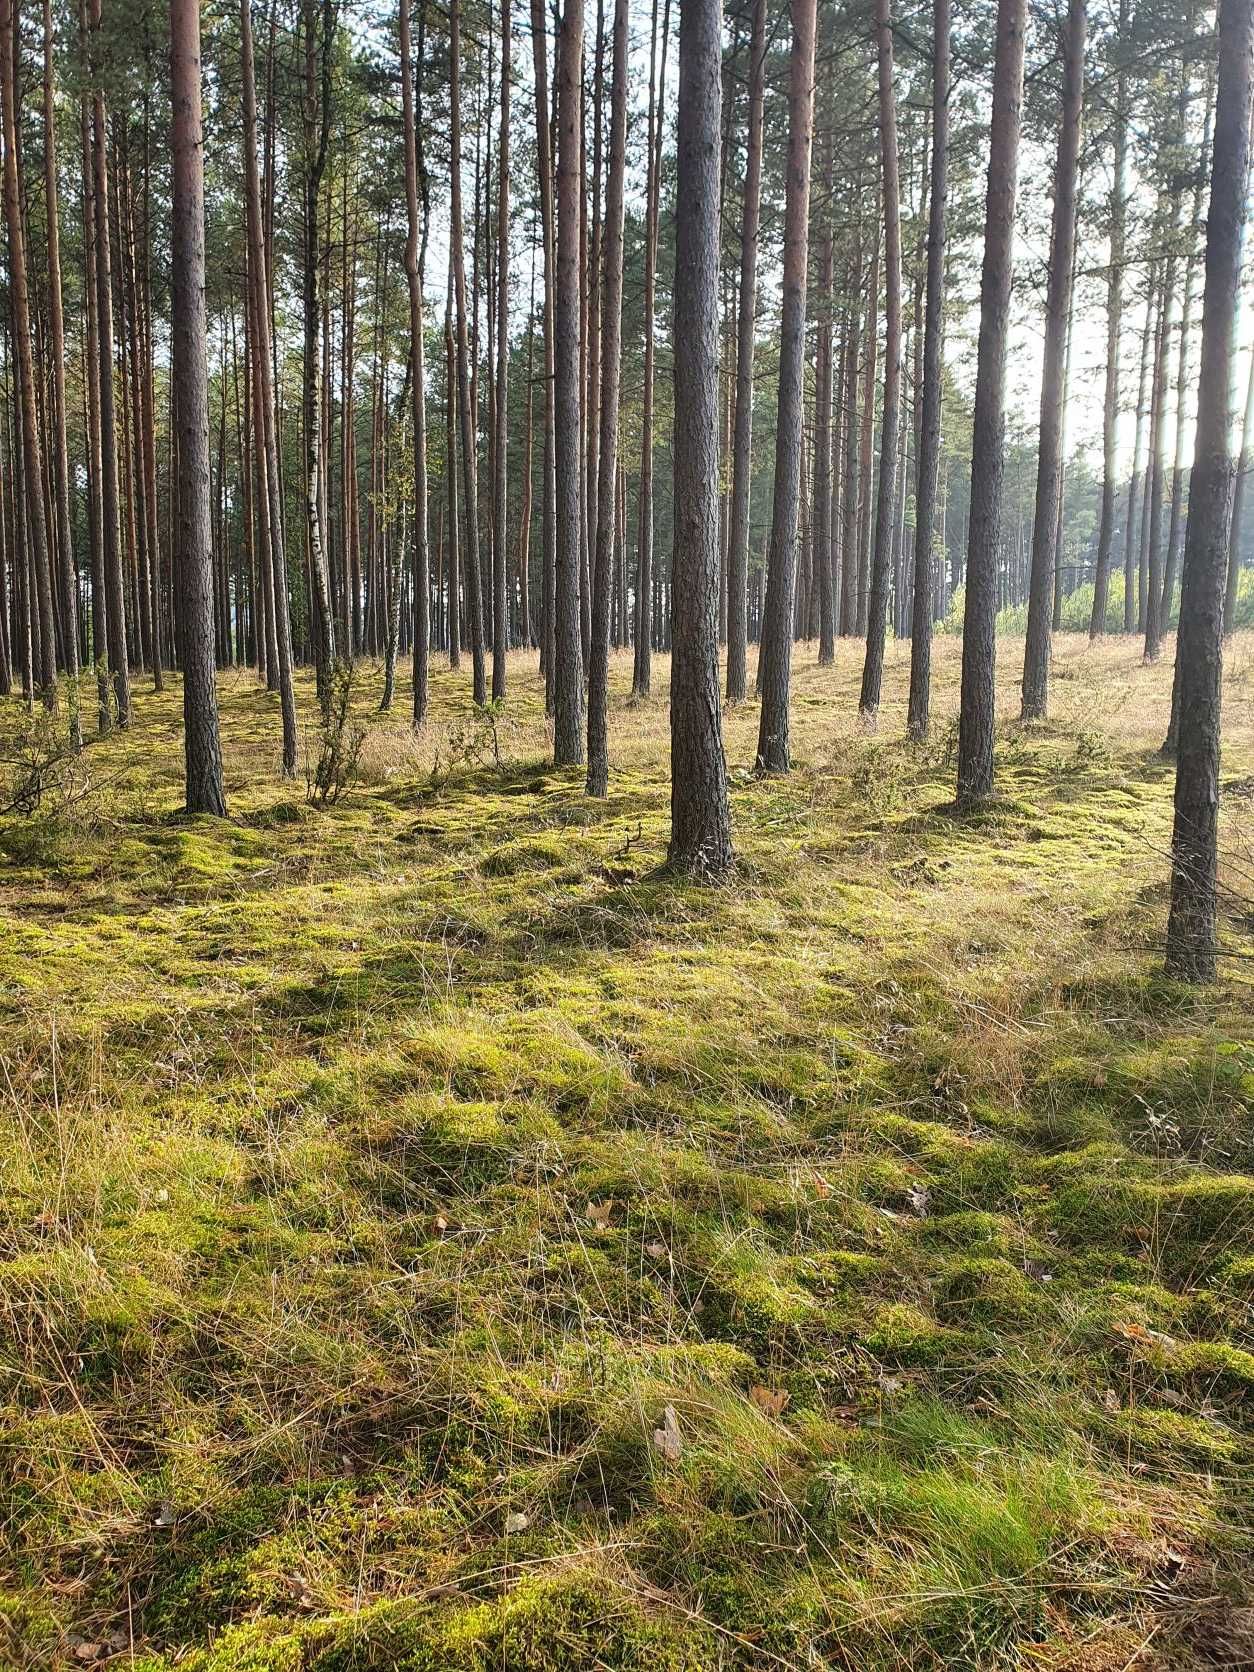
(775, 656)
(1053, 377)
(607, 470)
(568, 639)
(1192, 922)
(194, 558)
(700, 842)
(977, 711)
(885, 517)
(929, 423)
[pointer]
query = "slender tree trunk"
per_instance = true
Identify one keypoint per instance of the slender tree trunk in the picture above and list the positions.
(316, 125)
(465, 397)
(269, 494)
(194, 562)
(775, 656)
(821, 512)
(450, 484)
(1131, 544)
(1114, 321)
(877, 605)
(607, 470)
(700, 842)
(977, 711)
(1053, 378)
(568, 651)
(1245, 465)
(1192, 923)
(642, 671)
(417, 381)
(929, 422)
(1175, 537)
(44, 664)
(1153, 561)
(58, 444)
(746, 319)
(500, 500)
(548, 498)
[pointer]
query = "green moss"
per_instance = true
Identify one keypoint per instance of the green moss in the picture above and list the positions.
(902, 1334)
(987, 1291)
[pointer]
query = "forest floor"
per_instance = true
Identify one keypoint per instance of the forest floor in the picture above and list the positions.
(430, 1238)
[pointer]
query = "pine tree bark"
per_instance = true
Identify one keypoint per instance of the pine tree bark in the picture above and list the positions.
(417, 381)
(315, 113)
(918, 712)
(466, 404)
(821, 510)
(642, 669)
(1192, 923)
(500, 498)
(1035, 690)
(44, 662)
(775, 655)
(59, 447)
(885, 517)
(746, 321)
(700, 843)
(1114, 321)
(977, 709)
(607, 468)
(269, 493)
(544, 188)
(568, 635)
(194, 558)
(1239, 500)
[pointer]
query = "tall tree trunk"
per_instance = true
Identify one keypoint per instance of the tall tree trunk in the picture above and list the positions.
(1192, 924)
(95, 465)
(918, 714)
(1114, 321)
(465, 396)
(1053, 379)
(700, 842)
(316, 100)
(821, 510)
(500, 500)
(568, 650)
(269, 494)
(194, 559)
(746, 319)
(544, 187)
(885, 520)
(1244, 466)
(57, 441)
(417, 381)
(44, 669)
(775, 656)
(1152, 559)
(607, 469)
(1131, 542)
(1175, 537)
(642, 670)
(977, 711)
